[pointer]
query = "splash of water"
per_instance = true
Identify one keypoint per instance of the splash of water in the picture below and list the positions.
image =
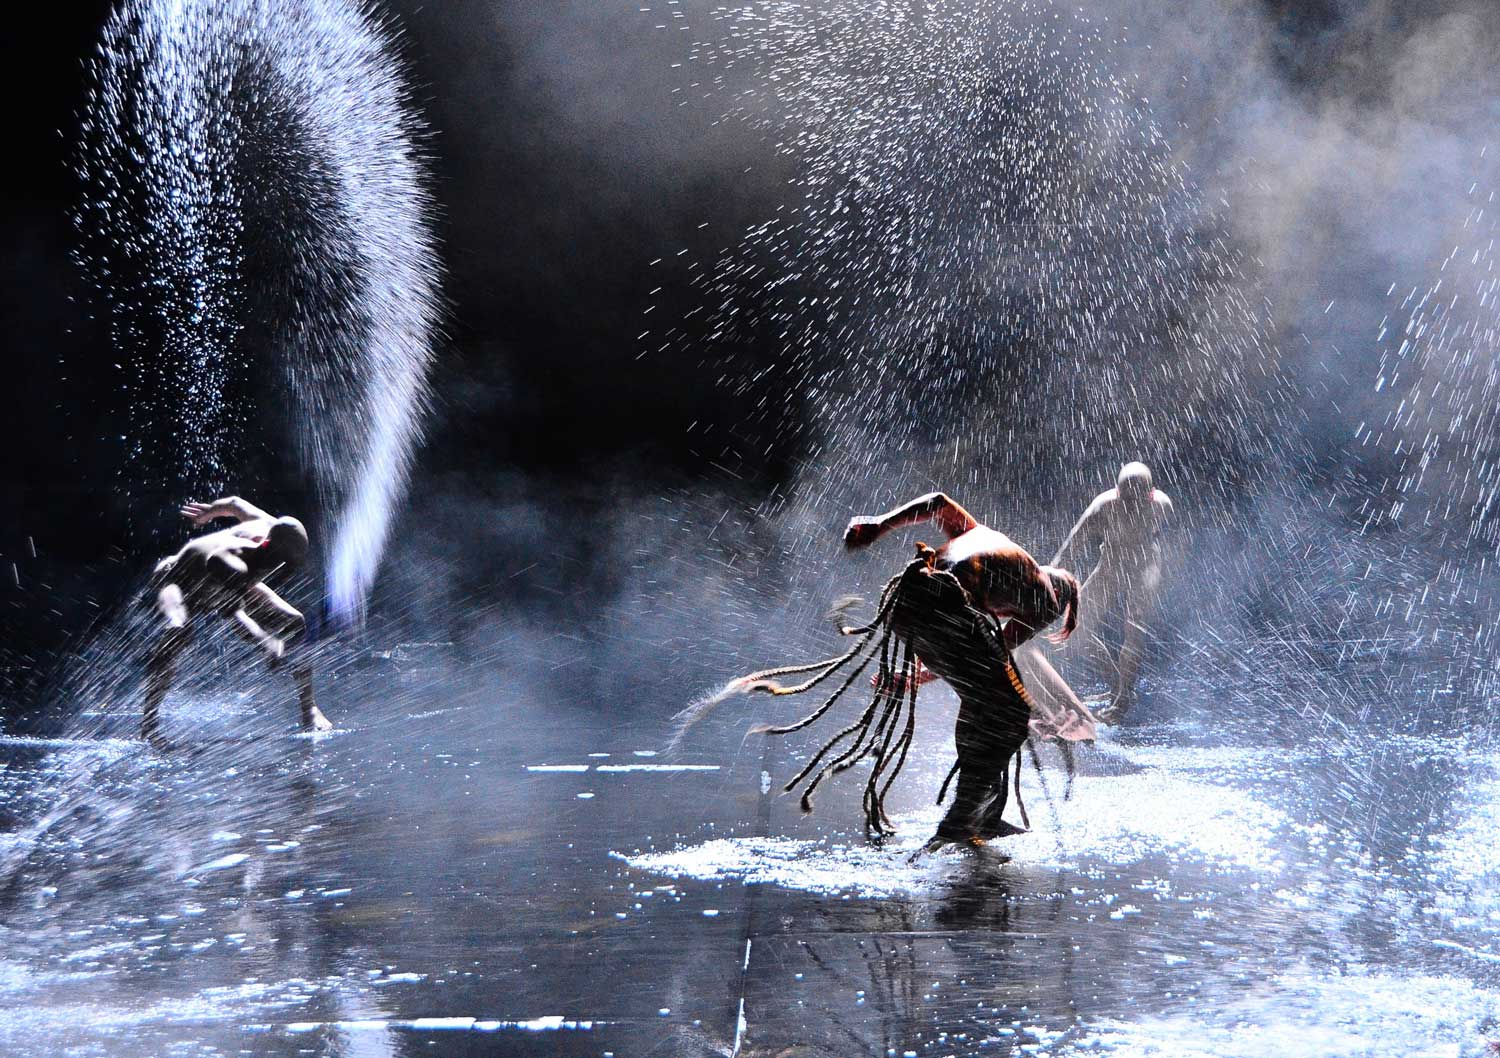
(257, 207)
(988, 246)
(992, 275)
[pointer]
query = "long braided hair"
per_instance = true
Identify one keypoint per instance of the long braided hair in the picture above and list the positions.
(884, 730)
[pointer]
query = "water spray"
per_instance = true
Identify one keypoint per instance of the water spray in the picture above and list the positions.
(256, 196)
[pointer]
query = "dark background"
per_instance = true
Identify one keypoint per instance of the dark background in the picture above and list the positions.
(547, 233)
(565, 163)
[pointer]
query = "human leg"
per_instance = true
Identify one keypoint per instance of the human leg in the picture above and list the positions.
(161, 666)
(1140, 608)
(286, 623)
(986, 744)
(981, 778)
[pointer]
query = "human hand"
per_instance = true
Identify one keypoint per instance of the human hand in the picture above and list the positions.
(198, 513)
(861, 532)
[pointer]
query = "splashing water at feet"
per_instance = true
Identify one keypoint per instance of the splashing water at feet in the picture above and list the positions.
(256, 207)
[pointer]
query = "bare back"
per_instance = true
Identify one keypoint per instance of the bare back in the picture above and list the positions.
(224, 564)
(999, 574)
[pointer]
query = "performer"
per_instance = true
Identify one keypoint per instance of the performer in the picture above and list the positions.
(1003, 580)
(222, 573)
(941, 617)
(1125, 525)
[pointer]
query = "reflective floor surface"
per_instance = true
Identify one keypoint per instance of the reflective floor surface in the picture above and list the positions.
(479, 875)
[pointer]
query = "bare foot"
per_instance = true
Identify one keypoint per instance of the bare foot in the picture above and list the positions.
(968, 844)
(314, 720)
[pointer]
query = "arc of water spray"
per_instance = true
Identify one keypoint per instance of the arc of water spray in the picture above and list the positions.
(203, 113)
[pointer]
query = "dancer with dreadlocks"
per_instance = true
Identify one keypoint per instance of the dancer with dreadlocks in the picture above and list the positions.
(941, 617)
(1008, 598)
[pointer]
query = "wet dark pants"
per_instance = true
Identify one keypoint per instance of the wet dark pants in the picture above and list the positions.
(963, 646)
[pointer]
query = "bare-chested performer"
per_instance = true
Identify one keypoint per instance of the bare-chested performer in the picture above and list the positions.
(956, 613)
(222, 573)
(1125, 524)
(999, 578)
(1005, 581)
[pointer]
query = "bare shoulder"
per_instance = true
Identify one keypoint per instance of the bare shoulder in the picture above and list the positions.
(1105, 500)
(976, 541)
(985, 543)
(252, 528)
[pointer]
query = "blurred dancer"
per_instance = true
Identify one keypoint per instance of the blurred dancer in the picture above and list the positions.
(1124, 524)
(222, 573)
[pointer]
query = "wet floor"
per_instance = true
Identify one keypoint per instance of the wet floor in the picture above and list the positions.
(477, 875)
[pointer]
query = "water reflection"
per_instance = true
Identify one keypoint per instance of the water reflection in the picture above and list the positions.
(431, 882)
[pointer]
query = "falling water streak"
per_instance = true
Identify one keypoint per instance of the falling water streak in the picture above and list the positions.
(381, 481)
(217, 135)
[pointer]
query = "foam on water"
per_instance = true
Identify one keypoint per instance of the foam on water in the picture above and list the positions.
(1358, 1014)
(1467, 853)
(1461, 876)
(1117, 819)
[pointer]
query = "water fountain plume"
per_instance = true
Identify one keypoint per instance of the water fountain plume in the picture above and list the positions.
(257, 203)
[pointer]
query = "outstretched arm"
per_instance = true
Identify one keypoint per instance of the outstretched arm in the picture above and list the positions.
(228, 507)
(952, 519)
(1083, 531)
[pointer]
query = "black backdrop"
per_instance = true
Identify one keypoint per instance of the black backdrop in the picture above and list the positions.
(564, 165)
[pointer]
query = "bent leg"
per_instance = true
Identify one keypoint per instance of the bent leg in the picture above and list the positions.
(286, 622)
(161, 666)
(990, 731)
(1099, 611)
(1139, 610)
(981, 779)
(1128, 671)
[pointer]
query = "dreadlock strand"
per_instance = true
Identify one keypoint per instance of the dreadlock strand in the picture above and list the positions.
(819, 712)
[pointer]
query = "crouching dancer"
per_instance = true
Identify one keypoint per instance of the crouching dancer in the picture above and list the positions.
(222, 573)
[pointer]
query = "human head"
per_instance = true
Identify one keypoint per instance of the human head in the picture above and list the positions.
(1065, 590)
(1134, 483)
(287, 541)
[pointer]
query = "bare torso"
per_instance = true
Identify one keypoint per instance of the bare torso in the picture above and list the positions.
(216, 569)
(1130, 534)
(999, 574)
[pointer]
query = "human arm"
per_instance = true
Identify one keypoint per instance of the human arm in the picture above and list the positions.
(1085, 531)
(933, 507)
(898, 684)
(229, 507)
(250, 629)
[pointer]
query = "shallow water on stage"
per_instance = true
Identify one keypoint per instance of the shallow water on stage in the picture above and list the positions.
(471, 875)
